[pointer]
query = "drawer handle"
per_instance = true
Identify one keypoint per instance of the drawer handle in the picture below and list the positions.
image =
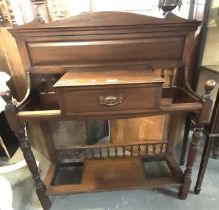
(110, 100)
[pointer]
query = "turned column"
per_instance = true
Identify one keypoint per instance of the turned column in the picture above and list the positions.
(202, 119)
(212, 134)
(19, 130)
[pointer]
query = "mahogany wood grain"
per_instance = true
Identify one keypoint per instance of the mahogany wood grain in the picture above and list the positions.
(54, 69)
(56, 114)
(106, 41)
(133, 98)
(137, 129)
(131, 88)
(173, 123)
(11, 63)
(110, 174)
(92, 79)
(201, 121)
(100, 52)
(102, 41)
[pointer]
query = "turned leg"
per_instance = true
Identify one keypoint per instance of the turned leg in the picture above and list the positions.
(197, 135)
(201, 120)
(31, 163)
(19, 130)
(204, 163)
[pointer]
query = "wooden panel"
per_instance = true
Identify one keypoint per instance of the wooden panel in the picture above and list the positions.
(41, 139)
(103, 39)
(137, 129)
(99, 52)
(11, 63)
(55, 69)
(131, 99)
(116, 174)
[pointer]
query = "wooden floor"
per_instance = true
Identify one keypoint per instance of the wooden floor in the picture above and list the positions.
(109, 174)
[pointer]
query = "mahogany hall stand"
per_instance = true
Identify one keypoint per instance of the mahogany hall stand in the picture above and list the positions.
(102, 66)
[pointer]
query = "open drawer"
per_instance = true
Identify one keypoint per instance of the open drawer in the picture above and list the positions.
(107, 91)
(45, 106)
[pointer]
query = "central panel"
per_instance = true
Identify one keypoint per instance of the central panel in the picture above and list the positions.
(102, 51)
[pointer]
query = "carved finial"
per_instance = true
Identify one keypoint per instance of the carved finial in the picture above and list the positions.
(10, 101)
(209, 86)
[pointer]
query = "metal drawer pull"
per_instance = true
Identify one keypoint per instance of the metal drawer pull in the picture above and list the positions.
(110, 100)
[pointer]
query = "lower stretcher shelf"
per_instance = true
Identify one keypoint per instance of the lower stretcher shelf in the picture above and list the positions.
(112, 174)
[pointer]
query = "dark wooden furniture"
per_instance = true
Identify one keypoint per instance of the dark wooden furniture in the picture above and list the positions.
(212, 137)
(102, 66)
(210, 71)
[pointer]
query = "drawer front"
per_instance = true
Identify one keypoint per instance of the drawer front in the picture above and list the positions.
(110, 99)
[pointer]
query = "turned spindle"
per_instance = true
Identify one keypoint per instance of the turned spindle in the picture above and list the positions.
(18, 128)
(202, 119)
(209, 86)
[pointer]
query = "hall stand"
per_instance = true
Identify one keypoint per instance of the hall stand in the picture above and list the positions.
(102, 66)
